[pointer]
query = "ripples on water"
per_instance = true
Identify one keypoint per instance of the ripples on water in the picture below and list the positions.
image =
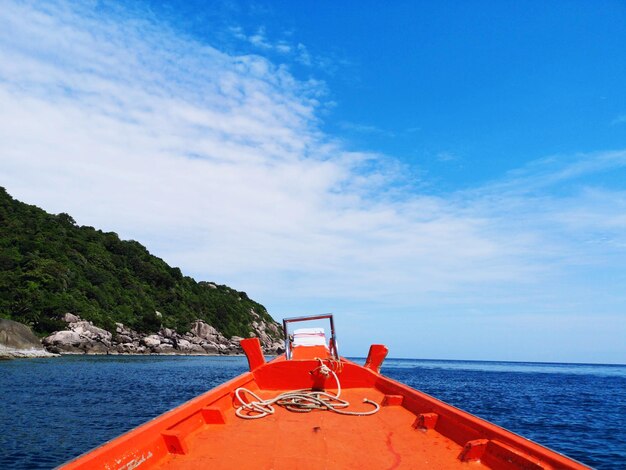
(55, 409)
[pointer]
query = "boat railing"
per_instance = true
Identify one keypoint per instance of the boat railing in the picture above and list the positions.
(332, 343)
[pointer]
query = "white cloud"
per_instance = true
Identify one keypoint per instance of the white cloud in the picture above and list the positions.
(621, 119)
(366, 129)
(304, 57)
(261, 41)
(446, 157)
(286, 48)
(217, 163)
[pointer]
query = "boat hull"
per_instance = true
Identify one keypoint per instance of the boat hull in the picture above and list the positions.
(411, 429)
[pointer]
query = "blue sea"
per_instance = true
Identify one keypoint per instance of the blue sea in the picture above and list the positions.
(54, 409)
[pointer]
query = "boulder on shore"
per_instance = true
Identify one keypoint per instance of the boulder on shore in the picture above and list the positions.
(82, 337)
(18, 340)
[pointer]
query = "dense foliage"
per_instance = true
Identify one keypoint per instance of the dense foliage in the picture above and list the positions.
(49, 266)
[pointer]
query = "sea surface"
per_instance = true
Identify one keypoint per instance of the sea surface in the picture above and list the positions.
(52, 410)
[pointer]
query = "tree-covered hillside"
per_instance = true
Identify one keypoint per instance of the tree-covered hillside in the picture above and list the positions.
(49, 266)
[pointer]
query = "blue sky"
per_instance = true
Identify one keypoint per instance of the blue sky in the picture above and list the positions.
(446, 177)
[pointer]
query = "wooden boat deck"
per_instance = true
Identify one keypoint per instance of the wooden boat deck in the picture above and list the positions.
(411, 430)
(319, 440)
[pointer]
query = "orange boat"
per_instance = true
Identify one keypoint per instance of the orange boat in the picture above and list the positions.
(311, 409)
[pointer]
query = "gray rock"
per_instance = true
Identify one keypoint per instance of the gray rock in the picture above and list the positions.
(126, 348)
(191, 348)
(18, 340)
(184, 345)
(268, 333)
(124, 339)
(17, 335)
(196, 349)
(210, 348)
(234, 346)
(151, 341)
(204, 330)
(83, 336)
(70, 318)
(63, 339)
(164, 349)
(278, 347)
(96, 348)
(85, 328)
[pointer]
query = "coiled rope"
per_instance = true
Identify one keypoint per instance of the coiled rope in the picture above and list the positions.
(300, 401)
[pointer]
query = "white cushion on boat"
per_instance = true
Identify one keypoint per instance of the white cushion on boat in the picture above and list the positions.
(309, 337)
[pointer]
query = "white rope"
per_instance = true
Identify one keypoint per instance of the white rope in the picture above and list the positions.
(299, 401)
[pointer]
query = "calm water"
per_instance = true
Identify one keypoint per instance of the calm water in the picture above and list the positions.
(54, 409)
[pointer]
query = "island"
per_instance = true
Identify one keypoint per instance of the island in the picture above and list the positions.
(80, 290)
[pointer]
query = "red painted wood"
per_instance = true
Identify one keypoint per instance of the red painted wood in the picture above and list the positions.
(254, 353)
(426, 421)
(376, 356)
(392, 400)
(319, 439)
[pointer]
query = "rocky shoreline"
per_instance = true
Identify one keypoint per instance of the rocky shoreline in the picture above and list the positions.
(17, 340)
(82, 337)
(12, 353)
